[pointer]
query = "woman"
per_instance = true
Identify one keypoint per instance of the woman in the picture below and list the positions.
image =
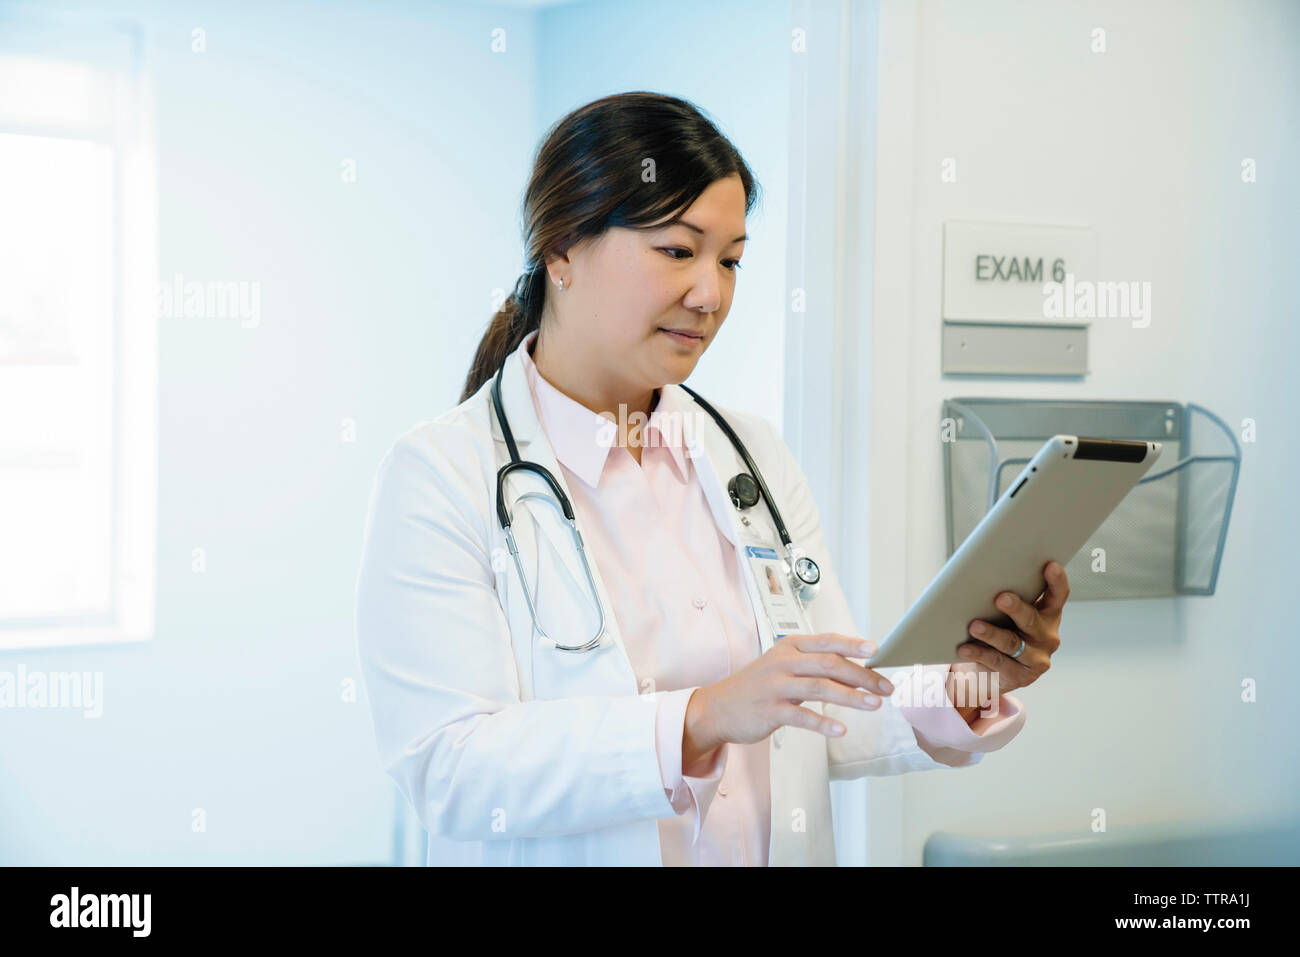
(693, 732)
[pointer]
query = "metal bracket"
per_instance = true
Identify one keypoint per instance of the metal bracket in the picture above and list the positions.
(1004, 348)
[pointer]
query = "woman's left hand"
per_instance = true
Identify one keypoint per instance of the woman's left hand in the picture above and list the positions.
(1038, 624)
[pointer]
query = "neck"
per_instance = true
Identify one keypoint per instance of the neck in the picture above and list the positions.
(571, 372)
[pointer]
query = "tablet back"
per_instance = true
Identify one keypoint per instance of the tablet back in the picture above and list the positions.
(1053, 507)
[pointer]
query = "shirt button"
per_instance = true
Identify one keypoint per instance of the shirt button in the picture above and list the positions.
(722, 790)
(699, 602)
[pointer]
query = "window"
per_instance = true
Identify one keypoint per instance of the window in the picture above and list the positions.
(78, 342)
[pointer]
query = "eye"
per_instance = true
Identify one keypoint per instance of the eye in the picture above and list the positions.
(735, 263)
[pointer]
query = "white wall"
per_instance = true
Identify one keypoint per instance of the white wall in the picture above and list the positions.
(1141, 714)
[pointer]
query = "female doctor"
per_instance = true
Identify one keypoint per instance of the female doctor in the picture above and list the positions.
(620, 688)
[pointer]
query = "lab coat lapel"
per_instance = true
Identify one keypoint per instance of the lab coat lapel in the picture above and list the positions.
(534, 446)
(713, 456)
(716, 460)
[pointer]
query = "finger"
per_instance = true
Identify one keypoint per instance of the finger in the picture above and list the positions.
(1006, 643)
(849, 645)
(1012, 672)
(1002, 639)
(797, 717)
(830, 665)
(1058, 589)
(1025, 615)
(824, 689)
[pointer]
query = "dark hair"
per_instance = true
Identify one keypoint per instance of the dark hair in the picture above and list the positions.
(588, 175)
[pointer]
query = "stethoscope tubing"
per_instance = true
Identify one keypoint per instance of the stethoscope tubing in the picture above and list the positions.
(754, 471)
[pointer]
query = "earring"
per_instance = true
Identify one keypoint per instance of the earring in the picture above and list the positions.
(560, 283)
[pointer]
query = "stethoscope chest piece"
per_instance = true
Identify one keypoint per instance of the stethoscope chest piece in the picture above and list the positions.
(743, 491)
(807, 576)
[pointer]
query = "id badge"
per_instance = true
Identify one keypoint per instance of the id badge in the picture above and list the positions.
(769, 570)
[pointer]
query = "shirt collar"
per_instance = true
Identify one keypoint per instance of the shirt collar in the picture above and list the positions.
(582, 439)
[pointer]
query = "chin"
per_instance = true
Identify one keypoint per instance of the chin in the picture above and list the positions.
(682, 373)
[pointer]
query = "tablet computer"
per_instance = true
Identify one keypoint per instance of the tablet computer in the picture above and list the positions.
(1051, 509)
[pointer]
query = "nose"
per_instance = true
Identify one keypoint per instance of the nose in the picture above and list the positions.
(706, 292)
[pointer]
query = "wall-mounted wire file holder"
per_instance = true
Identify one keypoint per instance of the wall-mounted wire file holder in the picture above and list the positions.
(1165, 538)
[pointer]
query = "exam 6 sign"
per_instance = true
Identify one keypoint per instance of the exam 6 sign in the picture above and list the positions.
(995, 272)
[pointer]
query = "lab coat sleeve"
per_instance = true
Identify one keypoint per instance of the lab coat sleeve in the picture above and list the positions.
(885, 741)
(433, 642)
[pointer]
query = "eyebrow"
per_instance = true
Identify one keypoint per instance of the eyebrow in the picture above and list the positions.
(681, 222)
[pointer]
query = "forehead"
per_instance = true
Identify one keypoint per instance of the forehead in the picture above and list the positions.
(719, 209)
(723, 197)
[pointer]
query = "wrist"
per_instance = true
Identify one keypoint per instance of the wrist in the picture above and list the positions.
(960, 702)
(698, 738)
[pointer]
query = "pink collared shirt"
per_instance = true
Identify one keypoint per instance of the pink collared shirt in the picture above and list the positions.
(686, 620)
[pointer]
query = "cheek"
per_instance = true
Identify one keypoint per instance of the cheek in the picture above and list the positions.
(653, 279)
(647, 291)
(615, 308)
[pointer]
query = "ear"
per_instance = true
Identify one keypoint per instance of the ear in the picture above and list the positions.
(560, 258)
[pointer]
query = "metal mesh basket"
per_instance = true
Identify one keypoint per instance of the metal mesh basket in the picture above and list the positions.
(1165, 538)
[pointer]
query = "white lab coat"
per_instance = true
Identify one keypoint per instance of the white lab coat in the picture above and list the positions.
(511, 752)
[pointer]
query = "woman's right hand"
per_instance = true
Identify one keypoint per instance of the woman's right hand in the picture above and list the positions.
(753, 702)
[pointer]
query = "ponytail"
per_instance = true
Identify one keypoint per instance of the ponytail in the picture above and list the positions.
(518, 316)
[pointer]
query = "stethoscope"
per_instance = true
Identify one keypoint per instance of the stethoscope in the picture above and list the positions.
(745, 489)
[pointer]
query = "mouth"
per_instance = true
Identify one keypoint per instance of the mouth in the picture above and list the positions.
(686, 338)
